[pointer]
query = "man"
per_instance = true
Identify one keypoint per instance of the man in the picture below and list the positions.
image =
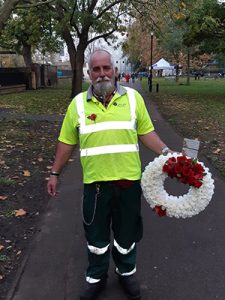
(107, 121)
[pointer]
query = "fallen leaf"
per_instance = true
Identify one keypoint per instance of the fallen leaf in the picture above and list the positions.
(71, 159)
(217, 151)
(1, 247)
(1, 277)
(26, 173)
(2, 162)
(19, 252)
(3, 198)
(40, 159)
(20, 212)
(10, 146)
(49, 167)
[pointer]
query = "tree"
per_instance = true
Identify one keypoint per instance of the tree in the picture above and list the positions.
(138, 51)
(101, 18)
(6, 9)
(30, 30)
(206, 26)
(204, 23)
(167, 38)
(7, 6)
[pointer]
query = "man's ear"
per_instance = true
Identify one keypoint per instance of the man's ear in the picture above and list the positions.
(89, 73)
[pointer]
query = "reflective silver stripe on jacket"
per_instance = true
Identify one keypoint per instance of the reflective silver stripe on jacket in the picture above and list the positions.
(109, 149)
(108, 124)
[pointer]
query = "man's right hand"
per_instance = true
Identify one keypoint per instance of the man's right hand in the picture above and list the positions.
(52, 184)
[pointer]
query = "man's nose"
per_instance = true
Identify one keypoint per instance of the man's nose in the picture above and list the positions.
(102, 72)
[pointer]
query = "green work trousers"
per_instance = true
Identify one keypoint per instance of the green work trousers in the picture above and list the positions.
(109, 207)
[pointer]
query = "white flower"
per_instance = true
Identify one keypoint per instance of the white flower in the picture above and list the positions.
(189, 204)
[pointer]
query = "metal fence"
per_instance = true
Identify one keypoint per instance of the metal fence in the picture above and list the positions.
(15, 76)
(37, 76)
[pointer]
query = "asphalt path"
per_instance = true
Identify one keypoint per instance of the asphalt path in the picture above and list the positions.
(178, 259)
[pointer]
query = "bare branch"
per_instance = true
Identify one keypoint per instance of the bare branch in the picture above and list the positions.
(66, 35)
(91, 6)
(60, 12)
(104, 35)
(108, 8)
(74, 9)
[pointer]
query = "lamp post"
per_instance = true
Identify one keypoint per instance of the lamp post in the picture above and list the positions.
(150, 75)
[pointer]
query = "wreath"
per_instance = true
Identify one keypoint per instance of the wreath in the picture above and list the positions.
(184, 169)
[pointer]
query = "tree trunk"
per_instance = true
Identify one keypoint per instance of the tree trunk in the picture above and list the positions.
(66, 35)
(188, 66)
(78, 72)
(27, 55)
(76, 61)
(177, 72)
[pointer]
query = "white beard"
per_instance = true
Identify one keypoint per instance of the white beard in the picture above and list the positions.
(103, 87)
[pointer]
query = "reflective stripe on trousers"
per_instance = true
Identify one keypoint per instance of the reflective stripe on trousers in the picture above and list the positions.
(125, 225)
(100, 251)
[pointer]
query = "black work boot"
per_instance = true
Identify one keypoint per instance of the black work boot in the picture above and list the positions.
(130, 286)
(93, 290)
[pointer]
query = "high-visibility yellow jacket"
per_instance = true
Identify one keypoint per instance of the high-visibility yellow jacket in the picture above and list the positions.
(108, 137)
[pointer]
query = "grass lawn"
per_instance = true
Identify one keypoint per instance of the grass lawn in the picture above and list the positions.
(43, 101)
(196, 111)
(202, 97)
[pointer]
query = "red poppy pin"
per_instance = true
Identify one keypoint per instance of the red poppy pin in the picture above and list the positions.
(92, 117)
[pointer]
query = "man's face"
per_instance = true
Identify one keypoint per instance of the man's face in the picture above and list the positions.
(101, 73)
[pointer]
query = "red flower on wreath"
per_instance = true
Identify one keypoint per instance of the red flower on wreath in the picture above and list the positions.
(159, 210)
(92, 117)
(185, 170)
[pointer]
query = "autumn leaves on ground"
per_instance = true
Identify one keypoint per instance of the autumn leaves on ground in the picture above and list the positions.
(27, 147)
(26, 151)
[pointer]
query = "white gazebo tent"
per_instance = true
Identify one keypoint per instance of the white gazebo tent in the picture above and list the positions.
(165, 67)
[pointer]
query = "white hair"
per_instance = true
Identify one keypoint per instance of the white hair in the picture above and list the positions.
(100, 50)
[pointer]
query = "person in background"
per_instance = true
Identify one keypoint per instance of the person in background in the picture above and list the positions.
(127, 78)
(107, 121)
